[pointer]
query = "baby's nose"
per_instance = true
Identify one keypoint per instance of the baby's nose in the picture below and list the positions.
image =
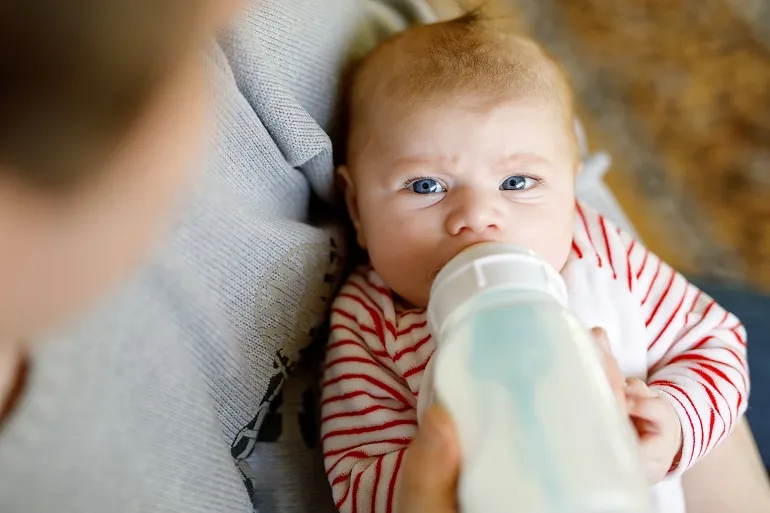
(476, 214)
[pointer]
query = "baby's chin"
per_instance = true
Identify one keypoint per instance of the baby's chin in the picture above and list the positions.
(418, 297)
(411, 297)
(409, 281)
(413, 304)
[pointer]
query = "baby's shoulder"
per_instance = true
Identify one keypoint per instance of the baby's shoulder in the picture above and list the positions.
(601, 246)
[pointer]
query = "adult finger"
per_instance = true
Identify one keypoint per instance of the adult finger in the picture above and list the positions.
(611, 369)
(428, 481)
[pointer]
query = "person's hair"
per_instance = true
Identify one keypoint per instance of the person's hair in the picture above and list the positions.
(474, 53)
(75, 75)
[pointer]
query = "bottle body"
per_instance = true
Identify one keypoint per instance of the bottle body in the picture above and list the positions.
(539, 427)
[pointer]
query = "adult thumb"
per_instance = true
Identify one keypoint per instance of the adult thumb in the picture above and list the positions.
(612, 370)
(428, 481)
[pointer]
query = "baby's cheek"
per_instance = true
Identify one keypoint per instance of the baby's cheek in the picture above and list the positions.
(549, 241)
(554, 236)
(406, 253)
(388, 228)
(561, 250)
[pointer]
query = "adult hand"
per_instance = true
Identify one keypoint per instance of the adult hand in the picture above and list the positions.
(428, 482)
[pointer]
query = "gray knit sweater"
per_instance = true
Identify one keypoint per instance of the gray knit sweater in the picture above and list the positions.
(152, 402)
(170, 397)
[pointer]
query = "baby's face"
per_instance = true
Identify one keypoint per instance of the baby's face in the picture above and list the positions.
(434, 180)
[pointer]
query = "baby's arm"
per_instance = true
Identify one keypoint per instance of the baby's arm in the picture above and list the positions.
(696, 353)
(368, 414)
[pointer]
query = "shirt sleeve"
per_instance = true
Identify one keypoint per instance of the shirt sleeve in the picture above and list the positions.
(368, 413)
(696, 353)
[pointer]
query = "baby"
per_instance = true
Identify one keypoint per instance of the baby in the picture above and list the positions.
(462, 133)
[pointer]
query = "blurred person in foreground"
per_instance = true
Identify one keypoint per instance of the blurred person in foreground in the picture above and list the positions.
(134, 379)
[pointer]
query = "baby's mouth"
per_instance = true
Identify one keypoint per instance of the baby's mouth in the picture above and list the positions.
(448, 257)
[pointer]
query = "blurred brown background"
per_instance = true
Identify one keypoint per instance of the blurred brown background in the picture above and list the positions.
(678, 92)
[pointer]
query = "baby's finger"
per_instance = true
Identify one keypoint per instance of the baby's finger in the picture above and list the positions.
(649, 418)
(637, 390)
(650, 409)
(650, 450)
(636, 387)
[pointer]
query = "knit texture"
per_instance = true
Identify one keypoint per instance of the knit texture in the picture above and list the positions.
(153, 401)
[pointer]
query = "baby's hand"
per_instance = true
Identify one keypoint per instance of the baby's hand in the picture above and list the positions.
(658, 427)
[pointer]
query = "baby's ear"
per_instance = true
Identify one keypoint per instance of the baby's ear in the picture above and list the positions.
(351, 201)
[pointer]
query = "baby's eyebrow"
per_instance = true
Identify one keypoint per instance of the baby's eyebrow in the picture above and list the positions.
(425, 161)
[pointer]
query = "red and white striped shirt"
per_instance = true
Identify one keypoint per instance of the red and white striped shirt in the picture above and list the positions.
(661, 329)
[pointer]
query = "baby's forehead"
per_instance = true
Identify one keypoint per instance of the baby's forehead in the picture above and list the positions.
(464, 59)
(449, 58)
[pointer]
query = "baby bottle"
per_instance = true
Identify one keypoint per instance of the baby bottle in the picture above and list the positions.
(539, 427)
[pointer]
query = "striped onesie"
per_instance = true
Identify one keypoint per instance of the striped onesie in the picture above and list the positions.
(661, 329)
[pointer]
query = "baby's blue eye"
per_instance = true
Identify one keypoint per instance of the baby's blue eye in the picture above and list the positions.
(426, 186)
(517, 183)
